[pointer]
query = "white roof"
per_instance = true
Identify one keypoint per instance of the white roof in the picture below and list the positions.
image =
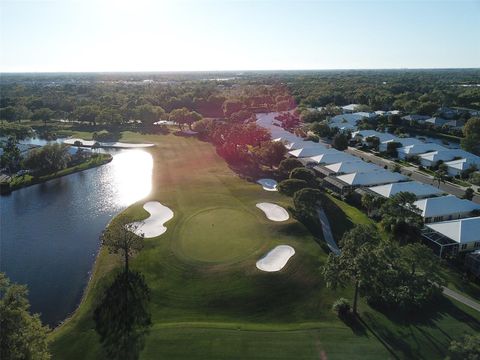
(300, 145)
(347, 167)
(444, 155)
(351, 119)
(309, 151)
(420, 190)
(366, 114)
(463, 164)
(462, 231)
(371, 178)
(420, 148)
(437, 121)
(381, 136)
(331, 157)
(445, 205)
(350, 107)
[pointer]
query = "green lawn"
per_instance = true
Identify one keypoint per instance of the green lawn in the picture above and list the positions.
(208, 300)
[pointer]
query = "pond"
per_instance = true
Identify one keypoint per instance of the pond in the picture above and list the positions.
(49, 232)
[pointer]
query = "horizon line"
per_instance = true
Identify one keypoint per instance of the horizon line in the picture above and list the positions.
(231, 70)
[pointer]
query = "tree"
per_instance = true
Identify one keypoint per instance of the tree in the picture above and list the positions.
(306, 202)
(321, 129)
(290, 186)
(11, 156)
(401, 218)
(373, 142)
(270, 153)
(232, 106)
(354, 264)
(204, 127)
(149, 114)
(184, 116)
(471, 132)
(287, 165)
(440, 175)
(467, 348)
(48, 158)
(86, 113)
(371, 202)
(43, 114)
(340, 141)
(469, 194)
(22, 335)
(303, 173)
(123, 238)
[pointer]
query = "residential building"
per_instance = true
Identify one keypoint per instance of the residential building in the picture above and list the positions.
(472, 262)
(410, 151)
(456, 167)
(432, 158)
(444, 208)
(454, 236)
(420, 190)
(309, 151)
(415, 118)
(346, 183)
(436, 121)
(347, 167)
(350, 108)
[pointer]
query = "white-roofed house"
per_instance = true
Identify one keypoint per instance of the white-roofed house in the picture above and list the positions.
(309, 151)
(456, 167)
(413, 118)
(350, 108)
(410, 151)
(347, 167)
(402, 141)
(346, 183)
(420, 190)
(432, 158)
(454, 236)
(330, 157)
(366, 115)
(444, 208)
(436, 121)
(300, 145)
(362, 135)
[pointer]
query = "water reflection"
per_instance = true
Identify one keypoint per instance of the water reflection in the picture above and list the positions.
(49, 232)
(132, 176)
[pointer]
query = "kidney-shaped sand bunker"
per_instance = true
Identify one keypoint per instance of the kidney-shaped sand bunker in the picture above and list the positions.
(153, 226)
(276, 259)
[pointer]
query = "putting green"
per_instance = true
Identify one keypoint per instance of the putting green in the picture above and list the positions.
(207, 235)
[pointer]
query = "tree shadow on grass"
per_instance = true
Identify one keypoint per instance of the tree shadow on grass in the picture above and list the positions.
(419, 322)
(122, 318)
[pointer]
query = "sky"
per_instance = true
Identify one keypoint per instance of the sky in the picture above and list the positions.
(205, 35)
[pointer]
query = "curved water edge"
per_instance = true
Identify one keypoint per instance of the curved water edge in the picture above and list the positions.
(107, 145)
(51, 247)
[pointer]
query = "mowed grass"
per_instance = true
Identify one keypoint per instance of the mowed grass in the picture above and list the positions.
(208, 300)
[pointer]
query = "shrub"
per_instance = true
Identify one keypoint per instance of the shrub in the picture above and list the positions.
(290, 186)
(342, 308)
(287, 165)
(303, 174)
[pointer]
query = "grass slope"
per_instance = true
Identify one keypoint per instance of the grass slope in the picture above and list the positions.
(208, 299)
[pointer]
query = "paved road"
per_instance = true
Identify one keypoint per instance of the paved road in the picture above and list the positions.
(459, 297)
(413, 172)
(327, 232)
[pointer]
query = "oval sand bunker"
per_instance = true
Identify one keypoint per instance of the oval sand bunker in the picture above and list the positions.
(276, 259)
(273, 211)
(153, 225)
(268, 184)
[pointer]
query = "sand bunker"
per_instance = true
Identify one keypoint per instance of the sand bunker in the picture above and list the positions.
(268, 184)
(276, 259)
(273, 211)
(153, 225)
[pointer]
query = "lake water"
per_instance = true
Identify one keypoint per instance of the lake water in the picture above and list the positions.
(49, 233)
